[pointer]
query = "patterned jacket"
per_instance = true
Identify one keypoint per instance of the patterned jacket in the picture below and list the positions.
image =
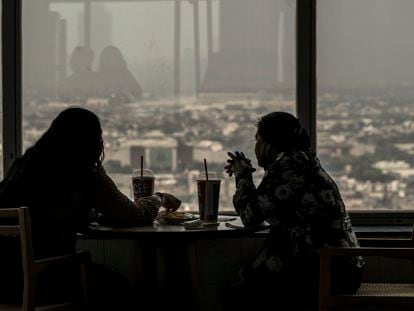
(302, 204)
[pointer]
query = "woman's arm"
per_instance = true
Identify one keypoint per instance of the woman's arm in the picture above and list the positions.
(246, 202)
(117, 209)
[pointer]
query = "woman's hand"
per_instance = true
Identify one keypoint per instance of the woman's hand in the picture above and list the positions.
(238, 164)
(169, 202)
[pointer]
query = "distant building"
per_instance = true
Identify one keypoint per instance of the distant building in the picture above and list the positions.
(399, 168)
(209, 149)
(101, 28)
(327, 146)
(359, 150)
(160, 154)
(185, 154)
(195, 152)
(407, 147)
(42, 52)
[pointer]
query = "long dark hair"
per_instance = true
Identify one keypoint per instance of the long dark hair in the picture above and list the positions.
(73, 143)
(74, 137)
(72, 148)
(284, 131)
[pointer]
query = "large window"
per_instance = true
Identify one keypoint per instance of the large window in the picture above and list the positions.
(366, 100)
(174, 81)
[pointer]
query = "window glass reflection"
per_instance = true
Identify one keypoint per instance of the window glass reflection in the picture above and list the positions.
(174, 81)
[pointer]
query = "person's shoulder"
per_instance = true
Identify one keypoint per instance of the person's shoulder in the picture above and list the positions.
(292, 158)
(279, 161)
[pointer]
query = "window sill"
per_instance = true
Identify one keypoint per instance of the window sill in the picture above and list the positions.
(382, 218)
(361, 231)
(388, 231)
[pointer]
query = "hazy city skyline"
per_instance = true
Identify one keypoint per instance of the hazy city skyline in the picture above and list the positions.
(364, 96)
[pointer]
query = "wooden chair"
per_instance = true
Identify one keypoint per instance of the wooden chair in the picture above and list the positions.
(32, 267)
(389, 295)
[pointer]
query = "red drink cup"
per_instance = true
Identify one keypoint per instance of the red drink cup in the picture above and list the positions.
(143, 186)
(208, 197)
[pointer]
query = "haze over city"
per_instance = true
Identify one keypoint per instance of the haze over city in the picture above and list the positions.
(201, 100)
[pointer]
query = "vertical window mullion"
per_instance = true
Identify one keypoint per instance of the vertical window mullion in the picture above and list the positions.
(306, 66)
(12, 80)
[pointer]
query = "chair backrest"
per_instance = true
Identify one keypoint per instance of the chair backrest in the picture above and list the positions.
(385, 293)
(23, 230)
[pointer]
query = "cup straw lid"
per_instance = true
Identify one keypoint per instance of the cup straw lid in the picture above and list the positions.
(142, 166)
(205, 168)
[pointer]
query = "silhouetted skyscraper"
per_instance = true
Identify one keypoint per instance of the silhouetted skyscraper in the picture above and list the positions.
(101, 28)
(41, 33)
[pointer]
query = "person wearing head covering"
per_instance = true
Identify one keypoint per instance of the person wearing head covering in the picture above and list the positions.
(304, 208)
(63, 183)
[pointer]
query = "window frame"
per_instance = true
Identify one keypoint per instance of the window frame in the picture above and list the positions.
(306, 89)
(12, 81)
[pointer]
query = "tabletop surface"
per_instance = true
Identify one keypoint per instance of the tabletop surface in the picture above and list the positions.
(227, 226)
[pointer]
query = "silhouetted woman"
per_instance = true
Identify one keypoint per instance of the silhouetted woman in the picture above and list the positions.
(115, 81)
(303, 205)
(62, 181)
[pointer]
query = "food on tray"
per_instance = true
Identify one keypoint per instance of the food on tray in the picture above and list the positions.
(175, 217)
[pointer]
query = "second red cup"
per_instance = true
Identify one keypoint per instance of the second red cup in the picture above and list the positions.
(208, 192)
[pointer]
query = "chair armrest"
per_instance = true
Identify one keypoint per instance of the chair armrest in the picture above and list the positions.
(78, 257)
(367, 251)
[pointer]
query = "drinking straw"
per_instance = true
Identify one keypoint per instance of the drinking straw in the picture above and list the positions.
(205, 168)
(142, 166)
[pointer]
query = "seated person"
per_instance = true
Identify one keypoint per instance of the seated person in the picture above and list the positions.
(82, 83)
(115, 81)
(62, 181)
(303, 205)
